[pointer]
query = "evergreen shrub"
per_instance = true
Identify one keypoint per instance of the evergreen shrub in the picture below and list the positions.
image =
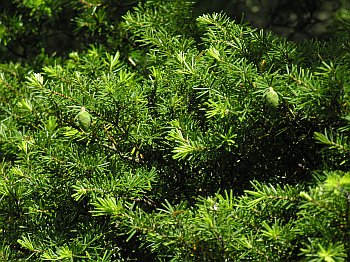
(190, 139)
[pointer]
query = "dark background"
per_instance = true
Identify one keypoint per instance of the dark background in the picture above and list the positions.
(295, 19)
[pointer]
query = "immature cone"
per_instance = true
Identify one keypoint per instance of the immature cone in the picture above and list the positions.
(271, 98)
(83, 119)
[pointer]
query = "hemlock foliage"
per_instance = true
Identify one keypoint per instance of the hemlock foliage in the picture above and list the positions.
(190, 139)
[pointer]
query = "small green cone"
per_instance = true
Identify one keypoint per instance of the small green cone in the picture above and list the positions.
(271, 98)
(83, 119)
